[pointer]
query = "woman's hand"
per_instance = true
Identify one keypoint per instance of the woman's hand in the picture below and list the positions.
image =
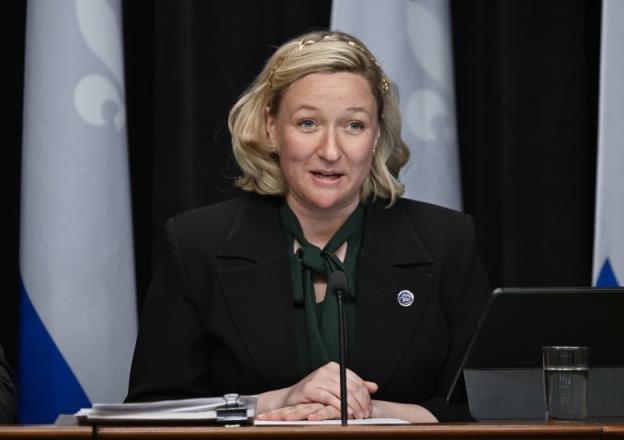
(409, 412)
(323, 386)
(302, 411)
(317, 411)
(317, 397)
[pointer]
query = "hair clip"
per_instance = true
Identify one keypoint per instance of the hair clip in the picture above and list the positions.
(384, 86)
(304, 43)
(273, 70)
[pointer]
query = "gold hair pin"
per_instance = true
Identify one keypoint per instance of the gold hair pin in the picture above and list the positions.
(385, 85)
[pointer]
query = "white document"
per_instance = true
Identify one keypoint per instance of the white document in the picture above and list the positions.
(330, 422)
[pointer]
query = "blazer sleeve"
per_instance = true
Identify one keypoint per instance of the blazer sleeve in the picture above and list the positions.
(7, 392)
(464, 300)
(172, 349)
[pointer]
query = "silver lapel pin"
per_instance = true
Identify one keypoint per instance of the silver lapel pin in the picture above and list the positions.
(405, 298)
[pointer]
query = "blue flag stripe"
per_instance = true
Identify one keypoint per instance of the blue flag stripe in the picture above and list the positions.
(47, 386)
(606, 276)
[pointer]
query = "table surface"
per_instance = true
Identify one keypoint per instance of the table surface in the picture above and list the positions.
(431, 431)
(437, 431)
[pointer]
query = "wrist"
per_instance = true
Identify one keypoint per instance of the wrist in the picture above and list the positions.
(378, 409)
(410, 412)
(270, 400)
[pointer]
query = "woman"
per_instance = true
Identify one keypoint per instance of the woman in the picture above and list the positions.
(238, 304)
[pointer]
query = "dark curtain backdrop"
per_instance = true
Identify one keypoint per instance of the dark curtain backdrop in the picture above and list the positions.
(527, 90)
(526, 80)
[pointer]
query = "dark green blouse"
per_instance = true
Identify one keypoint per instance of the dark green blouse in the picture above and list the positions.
(317, 324)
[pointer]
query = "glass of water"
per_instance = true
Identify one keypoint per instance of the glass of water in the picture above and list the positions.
(565, 382)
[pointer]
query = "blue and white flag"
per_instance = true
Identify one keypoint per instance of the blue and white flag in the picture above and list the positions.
(77, 305)
(412, 41)
(609, 240)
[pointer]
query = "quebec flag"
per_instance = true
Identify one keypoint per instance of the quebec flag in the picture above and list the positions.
(412, 42)
(77, 303)
(609, 240)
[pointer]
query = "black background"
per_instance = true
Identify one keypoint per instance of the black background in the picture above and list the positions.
(526, 75)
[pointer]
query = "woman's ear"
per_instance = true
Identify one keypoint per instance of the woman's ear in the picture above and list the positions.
(270, 124)
(376, 140)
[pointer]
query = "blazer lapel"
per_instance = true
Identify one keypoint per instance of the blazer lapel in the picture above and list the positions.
(255, 281)
(392, 259)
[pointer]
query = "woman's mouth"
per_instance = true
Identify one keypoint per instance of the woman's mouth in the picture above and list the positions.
(327, 175)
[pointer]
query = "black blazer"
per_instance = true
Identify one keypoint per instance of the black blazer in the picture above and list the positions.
(7, 392)
(218, 317)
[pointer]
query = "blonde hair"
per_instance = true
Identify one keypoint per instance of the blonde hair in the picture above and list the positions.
(319, 51)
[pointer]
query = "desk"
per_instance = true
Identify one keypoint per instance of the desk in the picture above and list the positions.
(437, 432)
(613, 431)
(44, 432)
(441, 431)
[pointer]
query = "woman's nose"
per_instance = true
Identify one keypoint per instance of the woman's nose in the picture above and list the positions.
(329, 149)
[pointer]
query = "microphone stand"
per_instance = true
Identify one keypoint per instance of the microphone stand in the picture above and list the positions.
(338, 282)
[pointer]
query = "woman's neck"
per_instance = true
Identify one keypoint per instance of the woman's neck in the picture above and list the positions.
(318, 225)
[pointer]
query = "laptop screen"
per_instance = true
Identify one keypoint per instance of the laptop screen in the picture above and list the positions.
(505, 354)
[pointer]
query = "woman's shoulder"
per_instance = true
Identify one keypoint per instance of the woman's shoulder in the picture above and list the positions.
(218, 218)
(422, 212)
(208, 213)
(433, 224)
(428, 208)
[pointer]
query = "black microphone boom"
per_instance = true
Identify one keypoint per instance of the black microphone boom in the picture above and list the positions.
(338, 285)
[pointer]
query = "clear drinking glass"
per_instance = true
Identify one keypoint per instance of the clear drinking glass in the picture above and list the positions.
(565, 382)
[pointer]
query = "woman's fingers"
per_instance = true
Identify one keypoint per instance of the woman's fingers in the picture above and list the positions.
(302, 411)
(318, 389)
(327, 384)
(372, 386)
(318, 386)
(325, 413)
(323, 386)
(359, 395)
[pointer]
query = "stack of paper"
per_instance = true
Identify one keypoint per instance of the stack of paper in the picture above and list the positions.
(229, 409)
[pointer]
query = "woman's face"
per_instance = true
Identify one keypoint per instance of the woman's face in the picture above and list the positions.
(325, 130)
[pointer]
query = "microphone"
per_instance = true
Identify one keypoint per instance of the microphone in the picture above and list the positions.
(337, 284)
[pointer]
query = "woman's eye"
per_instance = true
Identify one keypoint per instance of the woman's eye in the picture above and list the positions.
(307, 123)
(356, 126)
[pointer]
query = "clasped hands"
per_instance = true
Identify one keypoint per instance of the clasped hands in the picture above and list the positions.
(317, 397)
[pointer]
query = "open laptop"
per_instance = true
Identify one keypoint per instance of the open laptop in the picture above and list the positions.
(502, 366)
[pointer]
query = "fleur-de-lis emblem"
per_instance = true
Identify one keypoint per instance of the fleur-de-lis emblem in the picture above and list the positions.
(99, 100)
(426, 105)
